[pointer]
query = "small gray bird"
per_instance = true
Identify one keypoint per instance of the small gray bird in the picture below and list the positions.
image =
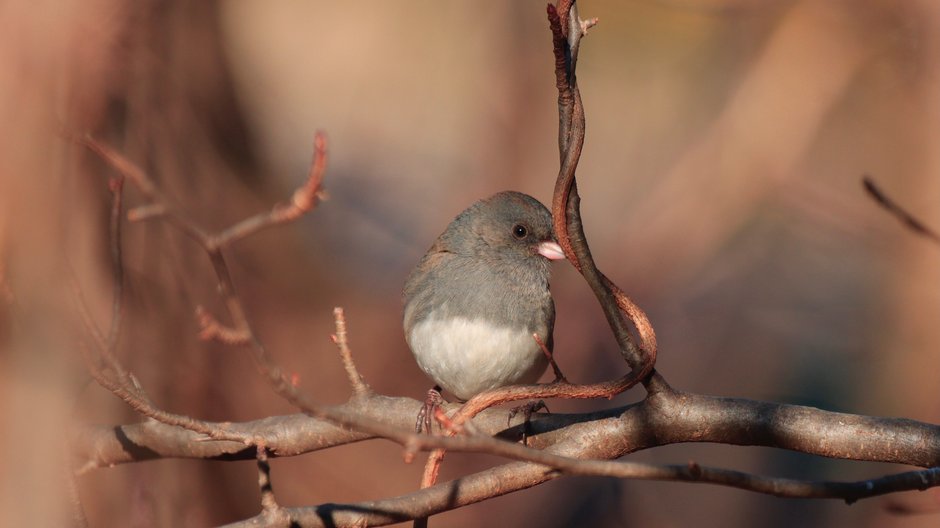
(476, 298)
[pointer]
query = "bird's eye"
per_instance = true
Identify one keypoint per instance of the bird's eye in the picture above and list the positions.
(519, 231)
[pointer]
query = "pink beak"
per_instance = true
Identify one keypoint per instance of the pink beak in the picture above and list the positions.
(551, 250)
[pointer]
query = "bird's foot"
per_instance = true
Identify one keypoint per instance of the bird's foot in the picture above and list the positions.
(430, 410)
(527, 411)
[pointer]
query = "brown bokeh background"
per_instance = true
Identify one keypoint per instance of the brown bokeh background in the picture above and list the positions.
(721, 188)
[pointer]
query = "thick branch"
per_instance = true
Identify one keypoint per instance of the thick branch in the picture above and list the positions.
(659, 420)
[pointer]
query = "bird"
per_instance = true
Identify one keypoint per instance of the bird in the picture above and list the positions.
(477, 298)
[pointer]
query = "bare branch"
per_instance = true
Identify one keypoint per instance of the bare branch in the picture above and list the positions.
(88, 322)
(906, 218)
(144, 184)
(304, 199)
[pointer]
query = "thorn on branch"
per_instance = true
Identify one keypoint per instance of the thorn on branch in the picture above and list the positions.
(210, 328)
(359, 387)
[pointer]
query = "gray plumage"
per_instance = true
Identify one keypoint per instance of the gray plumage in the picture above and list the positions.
(474, 300)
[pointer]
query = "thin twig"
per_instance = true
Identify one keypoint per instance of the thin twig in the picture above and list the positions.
(304, 199)
(117, 264)
(359, 387)
(84, 312)
(559, 377)
(79, 518)
(144, 184)
(906, 218)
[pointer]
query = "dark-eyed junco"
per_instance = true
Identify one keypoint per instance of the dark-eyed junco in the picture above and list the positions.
(476, 298)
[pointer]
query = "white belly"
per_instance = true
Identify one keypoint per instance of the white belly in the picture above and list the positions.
(467, 357)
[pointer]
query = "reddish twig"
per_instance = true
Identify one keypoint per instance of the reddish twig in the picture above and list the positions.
(485, 400)
(304, 199)
(567, 30)
(116, 186)
(145, 185)
(559, 377)
(88, 322)
(123, 385)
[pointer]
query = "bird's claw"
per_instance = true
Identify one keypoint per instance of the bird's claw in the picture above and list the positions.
(527, 411)
(432, 402)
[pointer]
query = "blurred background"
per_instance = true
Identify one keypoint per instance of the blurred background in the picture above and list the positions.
(726, 141)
